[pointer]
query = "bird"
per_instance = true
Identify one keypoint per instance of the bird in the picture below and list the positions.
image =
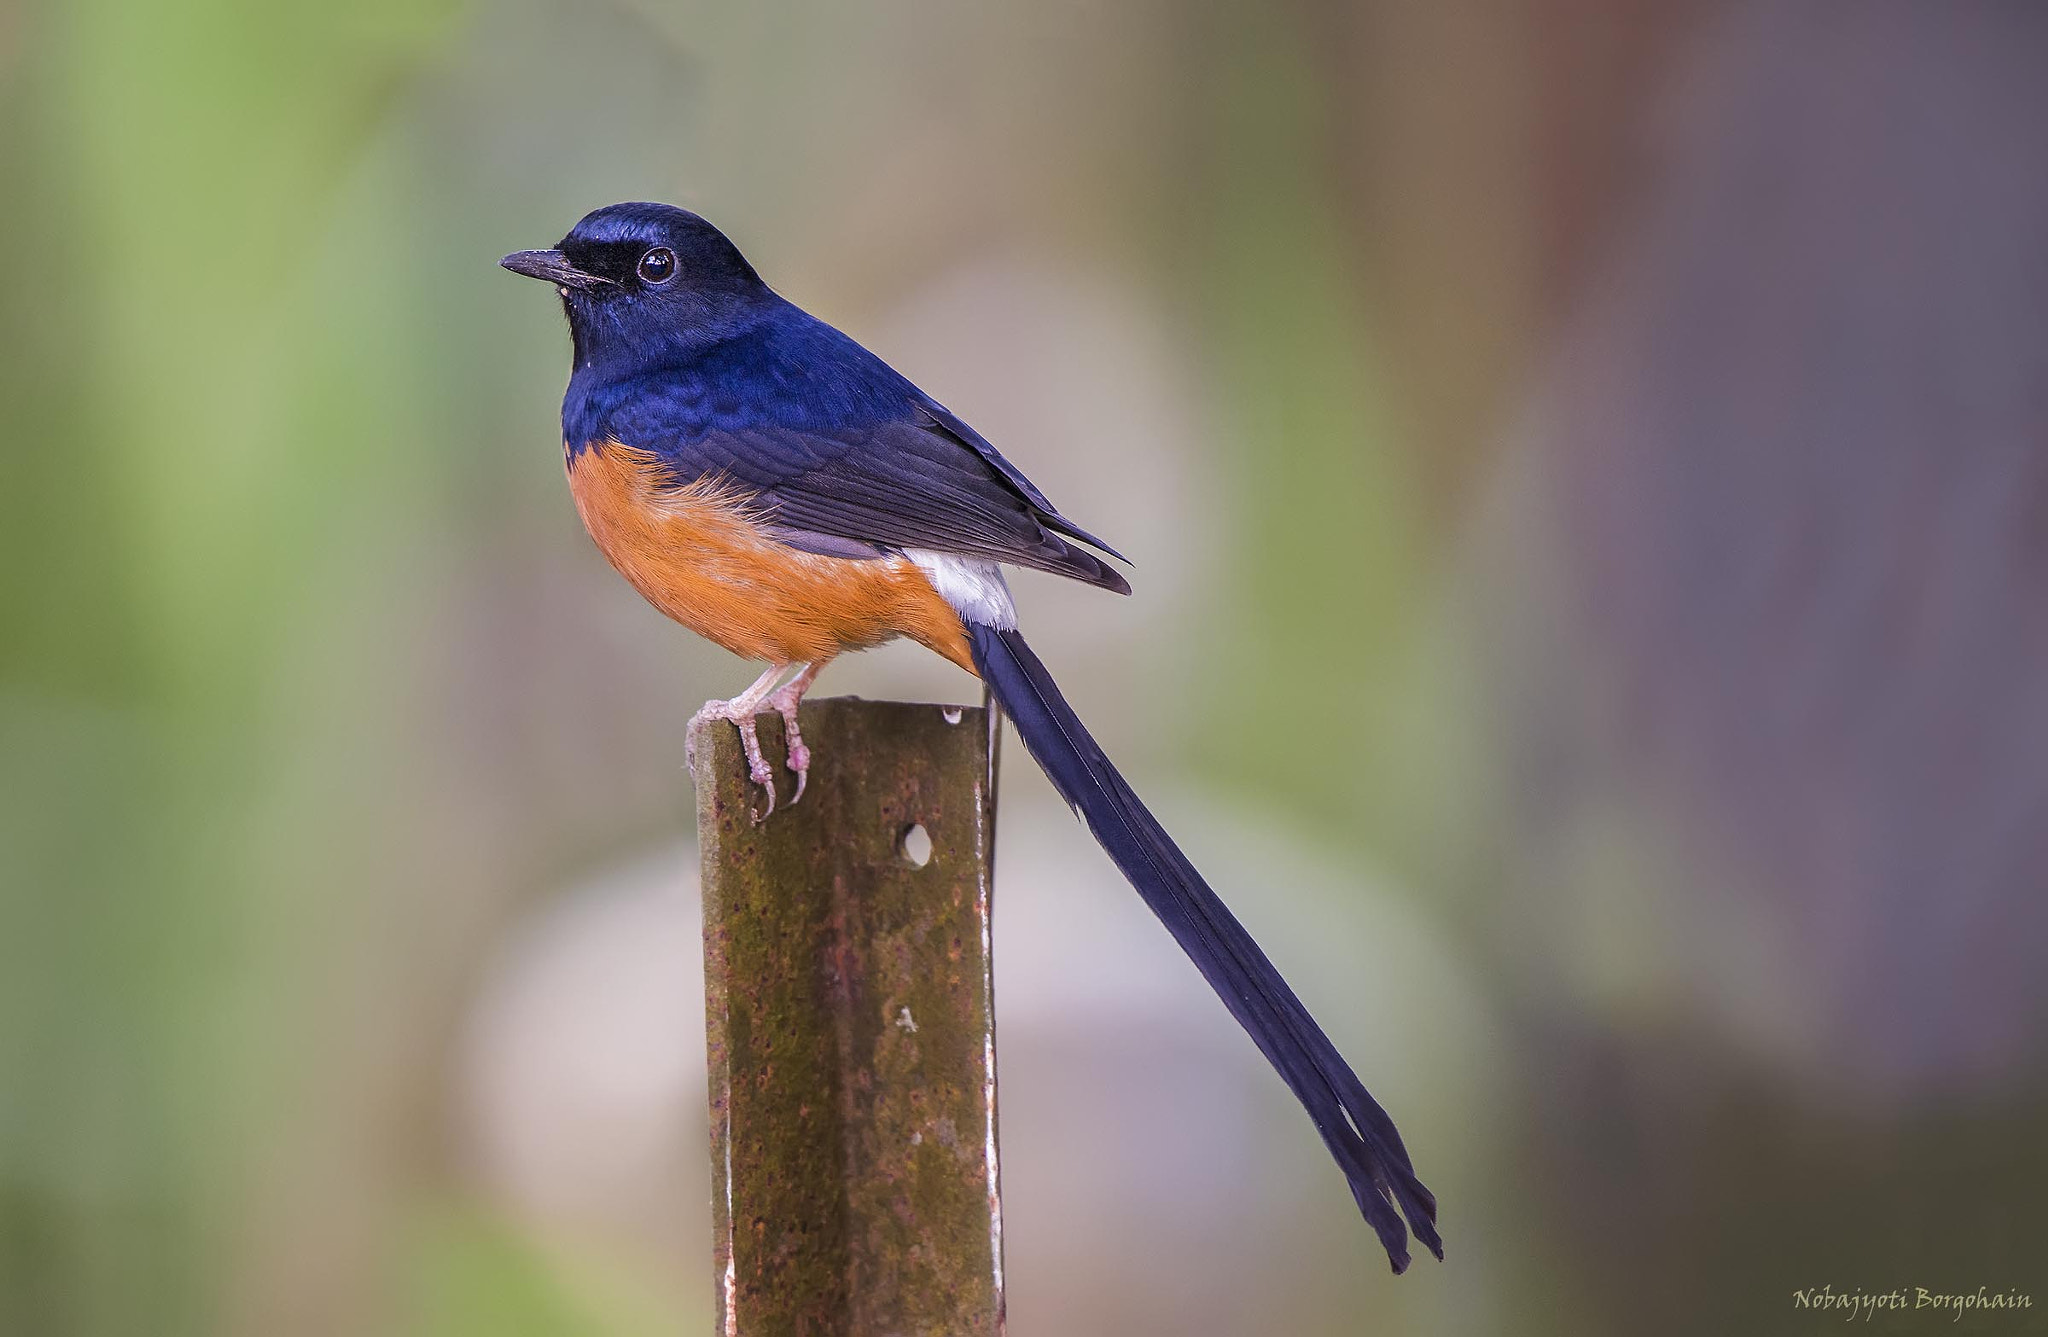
(769, 483)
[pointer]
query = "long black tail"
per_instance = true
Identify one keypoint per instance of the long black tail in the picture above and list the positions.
(1354, 1127)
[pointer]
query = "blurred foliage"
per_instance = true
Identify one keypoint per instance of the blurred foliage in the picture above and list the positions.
(476, 1276)
(1332, 574)
(207, 404)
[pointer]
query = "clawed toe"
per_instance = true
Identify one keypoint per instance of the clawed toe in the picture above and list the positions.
(800, 762)
(797, 756)
(785, 701)
(740, 712)
(758, 769)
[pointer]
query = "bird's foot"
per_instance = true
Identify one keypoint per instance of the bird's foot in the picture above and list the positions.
(739, 712)
(784, 702)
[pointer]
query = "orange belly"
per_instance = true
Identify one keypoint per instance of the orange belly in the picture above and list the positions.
(698, 555)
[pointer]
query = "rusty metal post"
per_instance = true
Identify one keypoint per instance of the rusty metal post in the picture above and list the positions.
(849, 1003)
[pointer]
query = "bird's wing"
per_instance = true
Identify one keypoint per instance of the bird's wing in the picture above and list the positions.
(907, 483)
(943, 421)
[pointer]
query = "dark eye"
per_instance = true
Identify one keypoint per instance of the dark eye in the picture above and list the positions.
(658, 265)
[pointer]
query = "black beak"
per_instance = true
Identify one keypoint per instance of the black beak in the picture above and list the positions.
(552, 267)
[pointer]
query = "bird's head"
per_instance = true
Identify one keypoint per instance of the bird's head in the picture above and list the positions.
(644, 282)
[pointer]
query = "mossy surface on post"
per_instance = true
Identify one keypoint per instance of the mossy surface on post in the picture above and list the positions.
(848, 994)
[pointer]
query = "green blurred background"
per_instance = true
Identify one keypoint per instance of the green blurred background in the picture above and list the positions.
(1585, 467)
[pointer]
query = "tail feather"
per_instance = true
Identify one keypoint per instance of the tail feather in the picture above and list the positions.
(1357, 1131)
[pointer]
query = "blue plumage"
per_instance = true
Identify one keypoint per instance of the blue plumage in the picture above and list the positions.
(784, 369)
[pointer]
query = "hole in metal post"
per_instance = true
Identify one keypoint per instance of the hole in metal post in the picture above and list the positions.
(915, 845)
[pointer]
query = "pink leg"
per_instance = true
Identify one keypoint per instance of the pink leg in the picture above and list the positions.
(740, 711)
(784, 701)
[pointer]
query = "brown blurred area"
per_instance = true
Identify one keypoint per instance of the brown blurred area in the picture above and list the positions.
(1585, 466)
(1789, 462)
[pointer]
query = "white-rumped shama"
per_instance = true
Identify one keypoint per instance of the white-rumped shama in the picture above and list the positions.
(775, 487)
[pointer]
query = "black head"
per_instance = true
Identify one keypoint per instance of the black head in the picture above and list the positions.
(641, 282)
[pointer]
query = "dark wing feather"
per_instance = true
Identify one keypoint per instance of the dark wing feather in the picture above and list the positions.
(891, 485)
(943, 421)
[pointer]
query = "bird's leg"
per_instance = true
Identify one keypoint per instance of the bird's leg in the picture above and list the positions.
(784, 701)
(740, 712)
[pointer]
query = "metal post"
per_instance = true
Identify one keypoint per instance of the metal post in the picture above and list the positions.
(849, 1002)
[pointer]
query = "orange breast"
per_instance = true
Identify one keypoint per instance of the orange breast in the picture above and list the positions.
(699, 556)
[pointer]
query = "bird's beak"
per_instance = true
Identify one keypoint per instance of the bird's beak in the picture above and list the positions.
(552, 267)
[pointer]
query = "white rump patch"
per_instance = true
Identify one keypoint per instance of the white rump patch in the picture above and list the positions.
(973, 585)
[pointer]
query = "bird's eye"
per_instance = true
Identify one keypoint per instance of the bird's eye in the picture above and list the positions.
(658, 265)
